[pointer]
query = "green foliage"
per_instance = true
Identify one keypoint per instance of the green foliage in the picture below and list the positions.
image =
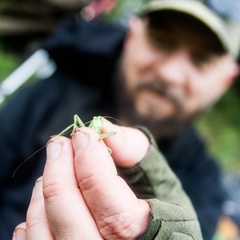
(123, 10)
(8, 63)
(6, 3)
(220, 126)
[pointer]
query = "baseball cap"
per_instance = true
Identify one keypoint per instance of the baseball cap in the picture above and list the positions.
(220, 16)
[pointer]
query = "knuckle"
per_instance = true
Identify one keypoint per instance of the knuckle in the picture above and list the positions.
(36, 220)
(51, 189)
(119, 226)
(92, 182)
(34, 216)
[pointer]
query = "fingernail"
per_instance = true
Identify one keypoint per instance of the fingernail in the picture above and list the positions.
(20, 234)
(37, 190)
(81, 141)
(54, 148)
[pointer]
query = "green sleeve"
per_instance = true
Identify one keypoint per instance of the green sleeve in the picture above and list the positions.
(172, 215)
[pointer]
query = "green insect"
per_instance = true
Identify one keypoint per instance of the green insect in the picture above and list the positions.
(96, 124)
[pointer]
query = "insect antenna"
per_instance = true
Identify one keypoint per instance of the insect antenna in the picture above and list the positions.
(115, 119)
(63, 133)
(88, 122)
(14, 173)
(33, 154)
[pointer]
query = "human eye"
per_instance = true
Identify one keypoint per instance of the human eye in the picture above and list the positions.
(201, 60)
(159, 41)
(162, 44)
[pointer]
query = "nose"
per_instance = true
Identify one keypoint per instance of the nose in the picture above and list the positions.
(173, 68)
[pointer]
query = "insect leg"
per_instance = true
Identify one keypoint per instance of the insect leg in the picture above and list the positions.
(66, 130)
(108, 134)
(78, 121)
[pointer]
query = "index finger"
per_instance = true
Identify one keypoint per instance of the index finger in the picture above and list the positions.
(67, 213)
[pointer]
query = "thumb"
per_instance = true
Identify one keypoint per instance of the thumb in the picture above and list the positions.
(129, 145)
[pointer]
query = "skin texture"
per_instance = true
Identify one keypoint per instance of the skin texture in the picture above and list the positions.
(102, 202)
(166, 78)
(171, 75)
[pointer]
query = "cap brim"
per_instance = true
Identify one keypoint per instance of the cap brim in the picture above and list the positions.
(199, 11)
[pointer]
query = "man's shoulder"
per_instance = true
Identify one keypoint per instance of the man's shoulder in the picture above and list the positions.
(81, 37)
(89, 49)
(188, 140)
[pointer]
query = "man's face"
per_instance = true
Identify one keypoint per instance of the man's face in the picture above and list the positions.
(173, 72)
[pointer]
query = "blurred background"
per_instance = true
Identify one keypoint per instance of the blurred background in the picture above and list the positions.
(25, 24)
(220, 125)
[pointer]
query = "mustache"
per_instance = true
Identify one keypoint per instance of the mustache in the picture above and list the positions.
(158, 87)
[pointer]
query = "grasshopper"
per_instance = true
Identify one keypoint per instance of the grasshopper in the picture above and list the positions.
(96, 124)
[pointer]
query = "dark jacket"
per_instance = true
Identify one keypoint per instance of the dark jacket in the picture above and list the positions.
(86, 54)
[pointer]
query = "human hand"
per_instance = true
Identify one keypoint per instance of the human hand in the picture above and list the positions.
(128, 146)
(81, 196)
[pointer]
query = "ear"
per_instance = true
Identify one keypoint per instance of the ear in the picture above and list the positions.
(234, 72)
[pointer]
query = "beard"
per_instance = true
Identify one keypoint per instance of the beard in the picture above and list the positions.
(161, 128)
